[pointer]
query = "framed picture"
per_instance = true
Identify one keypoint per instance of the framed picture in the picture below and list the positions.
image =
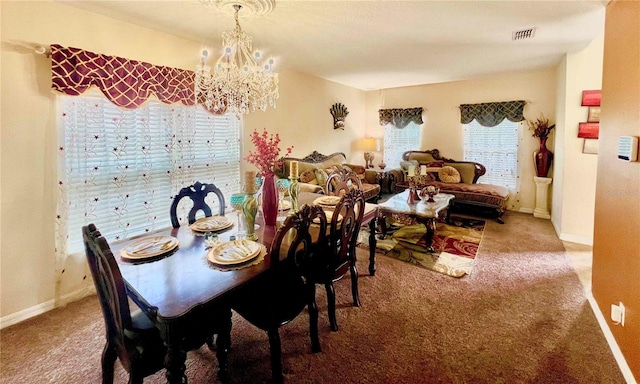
(590, 146)
(591, 98)
(594, 115)
(588, 130)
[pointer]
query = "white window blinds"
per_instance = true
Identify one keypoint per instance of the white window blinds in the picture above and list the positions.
(497, 149)
(120, 169)
(397, 141)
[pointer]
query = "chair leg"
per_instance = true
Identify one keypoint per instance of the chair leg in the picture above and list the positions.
(313, 318)
(223, 346)
(109, 356)
(354, 283)
(276, 356)
(331, 305)
(135, 378)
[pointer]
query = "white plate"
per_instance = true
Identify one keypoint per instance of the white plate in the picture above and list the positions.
(147, 247)
(329, 215)
(327, 200)
(234, 252)
(212, 223)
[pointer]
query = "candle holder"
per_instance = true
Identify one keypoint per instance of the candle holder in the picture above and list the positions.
(294, 190)
(413, 197)
(250, 209)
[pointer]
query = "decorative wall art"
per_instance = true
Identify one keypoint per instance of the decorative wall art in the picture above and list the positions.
(339, 113)
(590, 131)
(594, 115)
(591, 98)
(590, 146)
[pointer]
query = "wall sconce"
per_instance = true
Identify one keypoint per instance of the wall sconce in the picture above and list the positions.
(369, 145)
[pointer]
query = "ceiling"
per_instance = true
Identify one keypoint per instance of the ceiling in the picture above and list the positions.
(373, 45)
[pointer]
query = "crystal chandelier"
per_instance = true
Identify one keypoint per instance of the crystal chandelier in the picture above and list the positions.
(239, 82)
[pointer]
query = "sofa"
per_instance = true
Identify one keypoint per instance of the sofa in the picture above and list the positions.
(458, 178)
(314, 169)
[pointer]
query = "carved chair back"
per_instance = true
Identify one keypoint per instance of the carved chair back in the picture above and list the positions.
(343, 230)
(284, 293)
(109, 285)
(340, 182)
(197, 193)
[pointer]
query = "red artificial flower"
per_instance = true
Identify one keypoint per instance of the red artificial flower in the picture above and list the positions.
(267, 152)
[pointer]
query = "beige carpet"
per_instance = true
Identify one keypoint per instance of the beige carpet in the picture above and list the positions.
(520, 317)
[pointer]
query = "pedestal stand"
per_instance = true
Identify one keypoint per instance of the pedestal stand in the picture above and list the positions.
(542, 192)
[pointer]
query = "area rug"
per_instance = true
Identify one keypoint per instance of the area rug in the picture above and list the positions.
(455, 244)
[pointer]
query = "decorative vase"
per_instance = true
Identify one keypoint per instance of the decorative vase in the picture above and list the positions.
(250, 209)
(542, 158)
(269, 199)
(294, 189)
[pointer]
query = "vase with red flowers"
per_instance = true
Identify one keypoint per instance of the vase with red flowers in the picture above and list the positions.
(542, 157)
(265, 158)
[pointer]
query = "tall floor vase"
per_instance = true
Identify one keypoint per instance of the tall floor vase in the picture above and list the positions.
(542, 158)
(269, 200)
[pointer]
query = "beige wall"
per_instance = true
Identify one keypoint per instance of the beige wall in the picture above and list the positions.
(28, 136)
(303, 119)
(442, 128)
(573, 202)
(616, 247)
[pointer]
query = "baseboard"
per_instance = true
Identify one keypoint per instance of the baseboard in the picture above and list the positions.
(613, 344)
(526, 210)
(586, 240)
(39, 309)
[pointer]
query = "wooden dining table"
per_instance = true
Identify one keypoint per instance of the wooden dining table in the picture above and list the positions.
(174, 290)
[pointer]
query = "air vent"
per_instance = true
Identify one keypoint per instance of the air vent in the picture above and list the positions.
(523, 34)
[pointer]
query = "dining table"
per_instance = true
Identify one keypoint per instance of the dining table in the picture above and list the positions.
(173, 290)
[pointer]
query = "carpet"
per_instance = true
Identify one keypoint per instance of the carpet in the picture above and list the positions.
(455, 244)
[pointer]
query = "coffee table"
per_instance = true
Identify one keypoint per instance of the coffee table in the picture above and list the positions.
(423, 212)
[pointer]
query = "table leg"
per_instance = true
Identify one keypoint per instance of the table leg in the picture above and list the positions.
(390, 181)
(174, 363)
(223, 346)
(372, 246)
(430, 224)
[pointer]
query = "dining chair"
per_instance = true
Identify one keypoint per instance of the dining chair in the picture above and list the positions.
(287, 287)
(197, 193)
(343, 236)
(341, 182)
(133, 337)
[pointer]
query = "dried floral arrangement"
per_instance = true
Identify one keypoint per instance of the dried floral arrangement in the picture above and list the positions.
(541, 127)
(267, 152)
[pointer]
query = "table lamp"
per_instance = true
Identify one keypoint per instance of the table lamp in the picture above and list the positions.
(369, 145)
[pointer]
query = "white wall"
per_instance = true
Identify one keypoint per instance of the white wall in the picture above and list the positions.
(574, 204)
(28, 137)
(442, 128)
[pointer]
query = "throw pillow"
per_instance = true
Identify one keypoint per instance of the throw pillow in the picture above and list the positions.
(448, 174)
(321, 177)
(308, 177)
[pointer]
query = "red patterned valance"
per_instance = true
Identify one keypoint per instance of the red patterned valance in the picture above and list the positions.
(126, 83)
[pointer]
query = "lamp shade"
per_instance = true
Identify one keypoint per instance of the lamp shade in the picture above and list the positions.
(371, 144)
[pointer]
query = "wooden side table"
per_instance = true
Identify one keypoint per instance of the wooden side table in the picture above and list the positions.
(383, 177)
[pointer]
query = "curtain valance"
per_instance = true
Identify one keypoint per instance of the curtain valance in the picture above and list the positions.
(399, 117)
(126, 83)
(492, 114)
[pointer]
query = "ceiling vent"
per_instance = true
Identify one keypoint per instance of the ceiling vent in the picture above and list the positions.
(523, 34)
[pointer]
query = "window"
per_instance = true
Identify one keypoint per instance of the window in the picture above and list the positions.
(497, 149)
(121, 168)
(399, 140)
